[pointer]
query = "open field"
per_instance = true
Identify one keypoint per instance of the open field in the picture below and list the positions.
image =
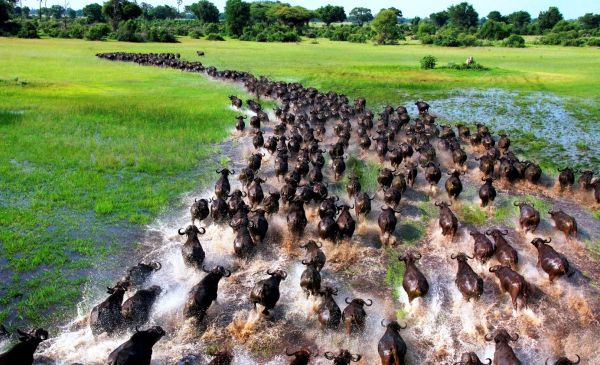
(105, 146)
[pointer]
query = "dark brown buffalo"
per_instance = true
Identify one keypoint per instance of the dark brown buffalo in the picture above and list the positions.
(532, 172)
(258, 140)
(565, 361)
(585, 180)
(411, 174)
(471, 358)
(239, 122)
(243, 243)
(422, 106)
(259, 226)
(503, 142)
(255, 191)
(597, 191)
(392, 196)
(391, 347)
(453, 185)
(106, 316)
(329, 313)
(483, 248)
(399, 182)
(362, 204)
(310, 280)
(564, 223)
(511, 282)
(266, 291)
(353, 187)
(136, 309)
(354, 315)
(221, 358)
(345, 223)
(529, 218)
(204, 293)
(448, 221)
(385, 177)
(271, 203)
(255, 161)
(504, 354)
(328, 228)
(552, 262)
(22, 353)
(487, 192)
(199, 210)
(387, 222)
(505, 253)
(219, 210)
(314, 254)
(463, 131)
(433, 174)
(192, 251)
(296, 218)
(301, 357)
(486, 165)
(566, 178)
(222, 186)
(138, 349)
(414, 283)
(468, 282)
(138, 274)
(344, 357)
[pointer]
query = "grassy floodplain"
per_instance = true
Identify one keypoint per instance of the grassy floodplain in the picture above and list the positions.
(92, 150)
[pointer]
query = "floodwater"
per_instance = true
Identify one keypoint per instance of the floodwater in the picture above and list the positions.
(563, 317)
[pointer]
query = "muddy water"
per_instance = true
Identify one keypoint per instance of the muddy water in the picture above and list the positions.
(562, 317)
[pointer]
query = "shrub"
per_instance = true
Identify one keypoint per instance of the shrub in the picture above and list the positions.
(127, 32)
(28, 30)
(160, 34)
(358, 38)
(214, 37)
(428, 62)
(593, 42)
(76, 31)
(211, 28)
(463, 66)
(97, 32)
(514, 41)
(196, 34)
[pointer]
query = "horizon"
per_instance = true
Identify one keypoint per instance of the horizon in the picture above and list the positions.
(571, 9)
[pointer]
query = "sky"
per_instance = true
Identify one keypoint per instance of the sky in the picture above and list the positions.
(571, 9)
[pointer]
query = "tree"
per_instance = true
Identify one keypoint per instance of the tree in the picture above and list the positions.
(331, 14)
(590, 21)
(163, 12)
(398, 13)
(120, 10)
(294, 16)
(205, 11)
(494, 30)
(360, 15)
(548, 19)
(496, 16)
(385, 25)
(6, 10)
(440, 18)
(520, 20)
(414, 22)
(237, 16)
(259, 11)
(57, 11)
(463, 15)
(93, 13)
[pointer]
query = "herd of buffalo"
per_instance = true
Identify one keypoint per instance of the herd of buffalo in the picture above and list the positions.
(303, 118)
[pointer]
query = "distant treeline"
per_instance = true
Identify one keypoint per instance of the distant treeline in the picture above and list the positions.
(266, 21)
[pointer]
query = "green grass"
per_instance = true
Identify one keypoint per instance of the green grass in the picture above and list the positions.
(91, 151)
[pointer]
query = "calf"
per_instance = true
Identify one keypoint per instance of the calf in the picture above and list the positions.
(204, 293)
(138, 349)
(553, 263)
(504, 354)
(467, 281)
(391, 346)
(414, 282)
(511, 282)
(266, 291)
(22, 353)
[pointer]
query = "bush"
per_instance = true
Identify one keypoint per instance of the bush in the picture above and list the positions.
(97, 32)
(28, 30)
(211, 28)
(196, 34)
(358, 38)
(593, 42)
(214, 37)
(128, 32)
(514, 41)
(428, 62)
(160, 34)
(76, 31)
(463, 66)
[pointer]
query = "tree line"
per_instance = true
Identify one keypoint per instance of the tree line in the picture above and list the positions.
(267, 21)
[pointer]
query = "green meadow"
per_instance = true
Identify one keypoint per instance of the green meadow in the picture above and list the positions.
(92, 150)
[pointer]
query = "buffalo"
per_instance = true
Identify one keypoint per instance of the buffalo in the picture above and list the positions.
(353, 187)
(310, 280)
(453, 185)
(354, 315)
(271, 203)
(192, 251)
(387, 222)
(471, 358)
(504, 354)
(512, 283)
(483, 248)
(564, 223)
(345, 223)
(414, 282)
(259, 226)
(315, 254)
(553, 263)
(362, 204)
(199, 210)
(385, 177)
(266, 291)
(138, 274)
(107, 316)
(448, 221)
(243, 244)
(255, 191)
(22, 353)
(301, 357)
(329, 313)
(529, 218)
(222, 186)
(468, 282)
(138, 349)
(344, 357)
(585, 180)
(566, 178)
(218, 209)
(204, 293)
(391, 347)
(505, 253)
(221, 358)
(296, 218)
(136, 309)
(487, 192)
(565, 361)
